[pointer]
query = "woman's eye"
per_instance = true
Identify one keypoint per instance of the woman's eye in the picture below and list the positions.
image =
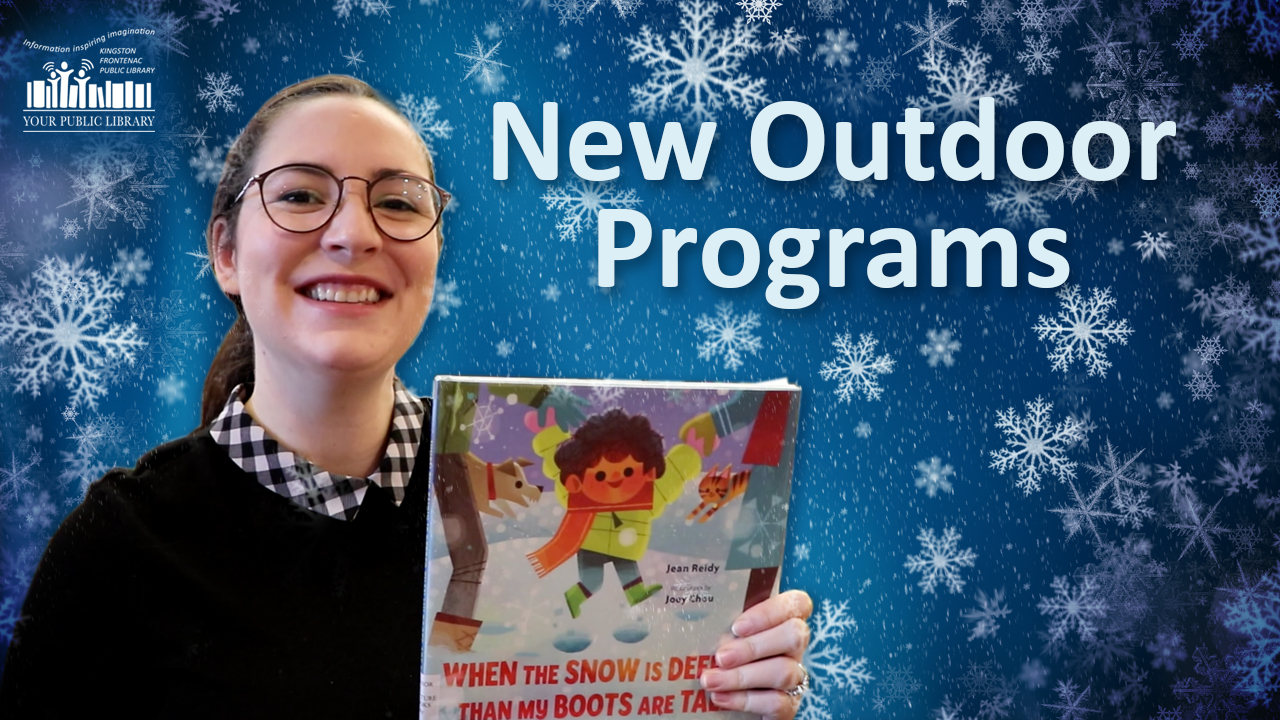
(396, 204)
(300, 196)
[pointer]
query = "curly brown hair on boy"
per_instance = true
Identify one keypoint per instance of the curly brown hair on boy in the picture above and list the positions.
(613, 436)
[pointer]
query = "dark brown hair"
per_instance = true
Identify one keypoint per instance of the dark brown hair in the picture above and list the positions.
(612, 436)
(233, 364)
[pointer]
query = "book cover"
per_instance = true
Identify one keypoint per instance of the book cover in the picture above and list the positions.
(591, 542)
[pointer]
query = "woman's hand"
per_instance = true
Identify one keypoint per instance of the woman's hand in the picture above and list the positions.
(763, 661)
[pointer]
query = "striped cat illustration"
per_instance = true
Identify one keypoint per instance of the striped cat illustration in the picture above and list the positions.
(717, 489)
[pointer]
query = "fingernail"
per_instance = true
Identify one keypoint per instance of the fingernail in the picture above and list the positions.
(740, 628)
(719, 698)
(712, 679)
(726, 658)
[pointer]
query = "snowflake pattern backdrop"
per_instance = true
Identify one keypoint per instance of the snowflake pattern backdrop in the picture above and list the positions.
(1009, 502)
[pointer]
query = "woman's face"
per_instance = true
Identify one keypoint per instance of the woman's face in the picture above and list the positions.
(289, 282)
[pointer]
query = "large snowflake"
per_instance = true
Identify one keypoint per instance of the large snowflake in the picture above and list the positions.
(940, 560)
(728, 335)
(422, 114)
(59, 323)
(219, 92)
(932, 32)
(954, 90)
(1035, 445)
(1132, 84)
(701, 68)
(484, 65)
(582, 201)
(1082, 330)
(1253, 610)
(1259, 16)
(1073, 609)
(856, 367)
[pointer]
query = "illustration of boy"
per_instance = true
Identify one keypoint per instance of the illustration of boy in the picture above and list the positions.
(613, 479)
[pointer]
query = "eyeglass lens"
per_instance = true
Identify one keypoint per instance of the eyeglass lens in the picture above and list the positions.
(303, 199)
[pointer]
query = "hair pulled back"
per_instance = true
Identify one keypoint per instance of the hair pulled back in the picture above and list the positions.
(233, 363)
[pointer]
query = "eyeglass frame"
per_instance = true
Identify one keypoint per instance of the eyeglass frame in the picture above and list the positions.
(260, 178)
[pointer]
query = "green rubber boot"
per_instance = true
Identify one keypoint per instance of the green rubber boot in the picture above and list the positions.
(640, 592)
(575, 596)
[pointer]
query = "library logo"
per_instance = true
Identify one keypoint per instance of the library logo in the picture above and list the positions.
(79, 96)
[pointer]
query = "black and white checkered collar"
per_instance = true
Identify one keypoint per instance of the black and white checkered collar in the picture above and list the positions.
(294, 477)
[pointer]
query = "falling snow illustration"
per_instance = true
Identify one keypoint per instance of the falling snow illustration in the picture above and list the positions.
(581, 202)
(728, 335)
(856, 367)
(1035, 445)
(940, 561)
(1082, 330)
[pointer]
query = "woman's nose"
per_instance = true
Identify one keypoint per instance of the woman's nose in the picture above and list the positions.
(352, 229)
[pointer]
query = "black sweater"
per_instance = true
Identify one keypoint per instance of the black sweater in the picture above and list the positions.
(185, 589)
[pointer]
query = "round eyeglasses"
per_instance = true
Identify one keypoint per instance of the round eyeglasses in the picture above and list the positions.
(304, 198)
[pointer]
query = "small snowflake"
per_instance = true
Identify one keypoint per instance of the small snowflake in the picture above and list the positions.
(1020, 202)
(1035, 445)
(1157, 244)
(782, 43)
(582, 201)
(37, 511)
(1073, 609)
(1202, 385)
(218, 92)
(941, 560)
(857, 367)
(1115, 246)
(1070, 705)
(484, 65)
(1190, 44)
(837, 48)
(1164, 400)
(878, 74)
(251, 45)
(934, 31)
(1197, 528)
(759, 10)
(932, 476)
(986, 616)
(1082, 330)
(171, 389)
(422, 115)
(504, 348)
(354, 58)
(728, 335)
(1038, 56)
(213, 10)
(131, 266)
(551, 292)
(863, 430)
(70, 228)
(940, 348)
(370, 7)
(1191, 171)
(1167, 650)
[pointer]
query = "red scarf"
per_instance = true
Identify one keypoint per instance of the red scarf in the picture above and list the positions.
(576, 525)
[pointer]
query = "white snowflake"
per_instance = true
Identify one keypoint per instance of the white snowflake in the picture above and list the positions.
(483, 421)
(1164, 400)
(484, 65)
(1115, 246)
(1071, 699)
(165, 27)
(131, 266)
(986, 616)
(728, 335)
(445, 299)
(825, 9)
(1198, 528)
(878, 74)
(504, 348)
(422, 114)
(70, 228)
(1038, 55)
(36, 511)
(354, 58)
(1082, 330)
(370, 7)
(171, 389)
(1158, 244)
(1073, 609)
(940, 348)
(863, 430)
(931, 33)
(1210, 349)
(1244, 473)
(213, 10)
(830, 666)
(759, 10)
(207, 163)
(59, 324)
(800, 551)
(787, 41)
(582, 201)
(837, 48)
(1020, 202)
(100, 436)
(251, 45)
(218, 92)
(856, 367)
(701, 69)
(551, 292)
(940, 560)
(1134, 85)
(563, 51)
(1035, 445)
(103, 191)
(13, 479)
(954, 90)
(932, 476)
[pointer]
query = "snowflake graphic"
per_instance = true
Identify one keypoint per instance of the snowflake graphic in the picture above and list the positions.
(551, 292)
(1198, 529)
(1189, 45)
(953, 91)
(1244, 473)
(986, 616)
(486, 415)
(370, 7)
(422, 114)
(100, 437)
(1020, 202)
(251, 45)
(728, 335)
(931, 33)
(898, 684)
(782, 43)
(1133, 85)
(1115, 246)
(701, 69)
(1071, 702)
(940, 348)
(70, 228)
(1073, 609)
(354, 58)
(218, 92)
(213, 10)
(208, 162)
(131, 266)
(933, 476)
(582, 201)
(37, 512)
(1038, 55)
(856, 367)
(1158, 244)
(1214, 16)
(484, 66)
(59, 324)
(445, 300)
(1167, 650)
(1082, 330)
(504, 348)
(13, 479)
(940, 560)
(758, 10)
(837, 48)
(171, 389)
(863, 430)
(1253, 610)
(1202, 385)
(878, 74)
(1035, 445)
(827, 661)
(165, 27)
(103, 191)
(1164, 400)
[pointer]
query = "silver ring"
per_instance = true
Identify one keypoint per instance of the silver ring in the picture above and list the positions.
(799, 690)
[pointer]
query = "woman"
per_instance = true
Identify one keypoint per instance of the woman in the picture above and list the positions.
(226, 575)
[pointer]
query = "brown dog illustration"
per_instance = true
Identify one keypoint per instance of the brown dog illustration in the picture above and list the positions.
(494, 485)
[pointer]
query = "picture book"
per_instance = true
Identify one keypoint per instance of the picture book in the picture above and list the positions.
(591, 542)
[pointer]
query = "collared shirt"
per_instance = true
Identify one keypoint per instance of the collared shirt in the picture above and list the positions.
(294, 477)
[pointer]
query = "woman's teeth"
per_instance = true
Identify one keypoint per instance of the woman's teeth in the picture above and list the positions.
(343, 293)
